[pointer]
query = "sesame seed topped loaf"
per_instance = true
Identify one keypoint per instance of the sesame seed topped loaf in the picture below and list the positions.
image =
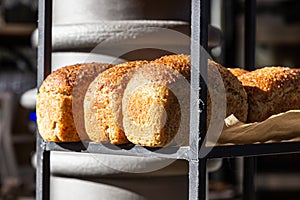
(220, 78)
(103, 104)
(237, 71)
(60, 96)
(156, 102)
(271, 90)
(180, 63)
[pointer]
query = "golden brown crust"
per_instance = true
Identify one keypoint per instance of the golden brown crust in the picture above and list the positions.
(237, 71)
(103, 104)
(153, 104)
(180, 63)
(63, 79)
(271, 90)
(156, 100)
(60, 102)
(236, 96)
(53, 118)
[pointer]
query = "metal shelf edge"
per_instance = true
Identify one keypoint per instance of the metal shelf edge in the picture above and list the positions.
(254, 149)
(174, 152)
(171, 152)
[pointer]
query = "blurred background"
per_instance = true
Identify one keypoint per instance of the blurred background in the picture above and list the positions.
(277, 44)
(18, 19)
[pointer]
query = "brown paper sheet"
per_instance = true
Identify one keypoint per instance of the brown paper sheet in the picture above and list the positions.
(280, 127)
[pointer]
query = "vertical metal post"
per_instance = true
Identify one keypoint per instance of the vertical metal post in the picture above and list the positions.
(44, 68)
(204, 19)
(199, 37)
(194, 102)
(42, 171)
(249, 174)
(250, 33)
(230, 33)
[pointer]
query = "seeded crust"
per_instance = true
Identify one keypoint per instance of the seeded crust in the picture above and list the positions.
(236, 96)
(60, 94)
(155, 103)
(180, 63)
(103, 104)
(237, 71)
(271, 90)
(156, 100)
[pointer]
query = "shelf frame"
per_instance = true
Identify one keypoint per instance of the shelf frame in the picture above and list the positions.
(196, 153)
(174, 152)
(44, 68)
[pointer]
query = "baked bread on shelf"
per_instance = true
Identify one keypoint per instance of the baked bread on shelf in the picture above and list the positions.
(143, 102)
(237, 71)
(271, 90)
(60, 96)
(156, 100)
(103, 104)
(179, 62)
(220, 78)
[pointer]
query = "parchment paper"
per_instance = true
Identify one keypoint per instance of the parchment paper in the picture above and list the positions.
(280, 127)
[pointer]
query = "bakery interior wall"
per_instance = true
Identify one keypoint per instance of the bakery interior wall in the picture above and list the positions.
(277, 43)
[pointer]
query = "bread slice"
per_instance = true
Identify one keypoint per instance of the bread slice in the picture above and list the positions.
(103, 104)
(59, 105)
(271, 90)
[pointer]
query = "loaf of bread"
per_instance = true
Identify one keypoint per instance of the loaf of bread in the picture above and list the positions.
(146, 103)
(236, 96)
(179, 62)
(156, 100)
(271, 90)
(59, 106)
(103, 104)
(237, 71)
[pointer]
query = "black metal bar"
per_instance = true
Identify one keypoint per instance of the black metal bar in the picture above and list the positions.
(203, 188)
(42, 171)
(249, 177)
(226, 151)
(44, 68)
(254, 149)
(45, 39)
(250, 34)
(174, 152)
(230, 33)
(204, 19)
(203, 68)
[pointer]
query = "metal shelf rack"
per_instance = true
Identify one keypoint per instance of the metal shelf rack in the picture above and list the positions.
(196, 158)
